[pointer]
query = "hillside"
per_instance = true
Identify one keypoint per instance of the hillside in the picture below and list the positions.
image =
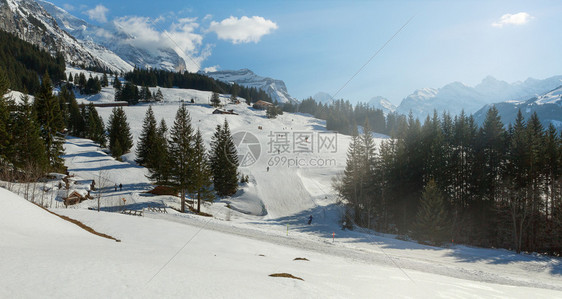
(31, 22)
(456, 96)
(548, 106)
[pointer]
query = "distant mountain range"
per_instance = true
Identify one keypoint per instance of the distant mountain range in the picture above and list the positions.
(455, 97)
(276, 89)
(548, 106)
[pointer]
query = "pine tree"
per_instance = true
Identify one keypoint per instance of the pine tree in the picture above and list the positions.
(159, 97)
(104, 80)
(224, 161)
(29, 150)
(120, 138)
(201, 174)
(215, 100)
(51, 121)
(116, 83)
(432, 221)
(147, 141)
(160, 170)
(5, 136)
(181, 153)
(76, 124)
(95, 128)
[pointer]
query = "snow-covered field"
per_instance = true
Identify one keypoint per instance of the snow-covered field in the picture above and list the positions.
(185, 256)
(257, 232)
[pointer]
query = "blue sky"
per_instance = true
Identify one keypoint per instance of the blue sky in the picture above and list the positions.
(319, 45)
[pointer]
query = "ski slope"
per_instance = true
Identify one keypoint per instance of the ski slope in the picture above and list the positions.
(189, 256)
(279, 192)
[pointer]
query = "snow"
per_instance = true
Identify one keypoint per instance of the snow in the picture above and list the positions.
(188, 256)
(276, 89)
(552, 97)
(256, 232)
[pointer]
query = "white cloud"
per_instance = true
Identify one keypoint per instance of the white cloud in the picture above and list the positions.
(181, 37)
(515, 19)
(213, 68)
(97, 13)
(243, 30)
(68, 7)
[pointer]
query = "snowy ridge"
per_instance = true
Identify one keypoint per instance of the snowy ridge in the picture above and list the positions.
(456, 96)
(276, 89)
(30, 21)
(383, 104)
(548, 107)
(111, 39)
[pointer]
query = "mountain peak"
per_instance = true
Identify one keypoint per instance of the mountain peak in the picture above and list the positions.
(275, 88)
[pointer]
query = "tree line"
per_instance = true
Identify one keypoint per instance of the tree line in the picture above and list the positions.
(187, 80)
(23, 63)
(450, 180)
(343, 117)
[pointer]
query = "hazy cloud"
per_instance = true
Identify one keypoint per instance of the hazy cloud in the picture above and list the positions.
(181, 37)
(68, 7)
(213, 68)
(515, 19)
(97, 13)
(243, 30)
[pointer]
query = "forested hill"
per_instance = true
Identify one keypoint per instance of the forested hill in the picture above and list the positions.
(186, 80)
(23, 63)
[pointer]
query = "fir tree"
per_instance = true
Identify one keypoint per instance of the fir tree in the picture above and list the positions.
(215, 100)
(147, 141)
(73, 119)
(95, 128)
(51, 121)
(5, 136)
(116, 83)
(104, 80)
(159, 172)
(224, 161)
(181, 153)
(432, 222)
(120, 138)
(158, 97)
(201, 174)
(29, 150)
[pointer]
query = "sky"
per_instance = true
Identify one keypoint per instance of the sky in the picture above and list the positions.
(333, 46)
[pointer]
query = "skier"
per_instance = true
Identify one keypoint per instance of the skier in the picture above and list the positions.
(310, 220)
(120, 187)
(267, 168)
(115, 187)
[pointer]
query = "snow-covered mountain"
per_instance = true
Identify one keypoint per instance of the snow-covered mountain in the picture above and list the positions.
(112, 37)
(245, 77)
(456, 96)
(548, 106)
(323, 97)
(31, 22)
(383, 104)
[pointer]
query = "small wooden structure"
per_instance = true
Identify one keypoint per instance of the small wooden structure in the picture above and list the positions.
(74, 198)
(262, 105)
(218, 111)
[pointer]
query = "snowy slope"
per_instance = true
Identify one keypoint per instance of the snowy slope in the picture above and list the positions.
(273, 87)
(29, 20)
(111, 40)
(548, 107)
(186, 256)
(456, 96)
(383, 104)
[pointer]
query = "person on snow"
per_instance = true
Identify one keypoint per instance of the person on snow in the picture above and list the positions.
(120, 187)
(310, 220)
